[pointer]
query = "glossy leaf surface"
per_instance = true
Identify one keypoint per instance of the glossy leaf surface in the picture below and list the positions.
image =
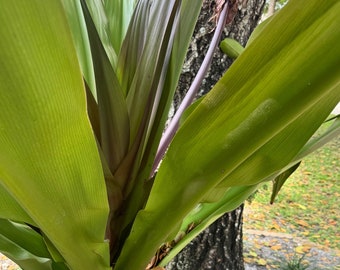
(49, 163)
(241, 126)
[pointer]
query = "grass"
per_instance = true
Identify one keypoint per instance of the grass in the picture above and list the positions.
(308, 204)
(296, 263)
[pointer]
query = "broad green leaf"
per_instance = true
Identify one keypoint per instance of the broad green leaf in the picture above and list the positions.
(11, 209)
(312, 145)
(26, 247)
(280, 180)
(284, 146)
(24, 236)
(49, 161)
(318, 141)
(119, 13)
(80, 37)
(205, 214)
(185, 28)
(112, 109)
(101, 21)
(133, 45)
(22, 257)
(258, 30)
(189, 110)
(110, 117)
(143, 93)
(266, 90)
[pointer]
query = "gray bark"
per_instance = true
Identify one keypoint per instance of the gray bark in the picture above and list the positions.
(271, 9)
(220, 245)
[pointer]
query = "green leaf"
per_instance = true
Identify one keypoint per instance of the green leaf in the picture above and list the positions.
(80, 37)
(13, 209)
(49, 161)
(25, 237)
(205, 214)
(133, 45)
(258, 30)
(101, 20)
(280, 180)
(26, 247)
(318, 141)
(119, 13)
(112, 108)
(144, 71)
(312, 145)
(22, 257)
(185, 28)
(264, 97)
(146, 89)
(283, 147)
(231, 47)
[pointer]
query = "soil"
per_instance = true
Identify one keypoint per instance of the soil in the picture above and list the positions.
(267, 250)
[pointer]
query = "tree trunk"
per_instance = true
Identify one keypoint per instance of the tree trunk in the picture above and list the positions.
(220, 245)
(271, 9)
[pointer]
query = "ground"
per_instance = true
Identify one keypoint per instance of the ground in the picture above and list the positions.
(267, 250)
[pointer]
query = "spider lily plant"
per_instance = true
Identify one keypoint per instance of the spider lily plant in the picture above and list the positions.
(88, 177)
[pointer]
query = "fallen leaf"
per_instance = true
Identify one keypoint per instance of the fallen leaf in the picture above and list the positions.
(276, 247)
(247, 260)
(302, 223)
(302, 249)
(332, 222)
(261, 261)
(252, 254)
(301, 206)
(257, 246)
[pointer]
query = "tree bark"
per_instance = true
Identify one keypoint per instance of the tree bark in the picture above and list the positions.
(220, 245)
(271, 9)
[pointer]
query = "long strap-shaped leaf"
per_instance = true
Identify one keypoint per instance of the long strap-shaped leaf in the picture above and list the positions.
(113, 115)
(159, 114)
(148, 79)
(26, 247)
(49, 161)
(11, 209)
(77, 24)
(187, 21)
(99, 16)
(119, 13)
(265, 91)
(133, 45)
(206, 215)
(147, 72)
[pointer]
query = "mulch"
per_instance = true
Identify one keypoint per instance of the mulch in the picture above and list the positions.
(268, 250)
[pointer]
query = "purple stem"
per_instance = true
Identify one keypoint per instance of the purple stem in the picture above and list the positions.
(188, 99)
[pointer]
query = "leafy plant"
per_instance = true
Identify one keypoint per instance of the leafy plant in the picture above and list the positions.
(295, 263)
(86, 86)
